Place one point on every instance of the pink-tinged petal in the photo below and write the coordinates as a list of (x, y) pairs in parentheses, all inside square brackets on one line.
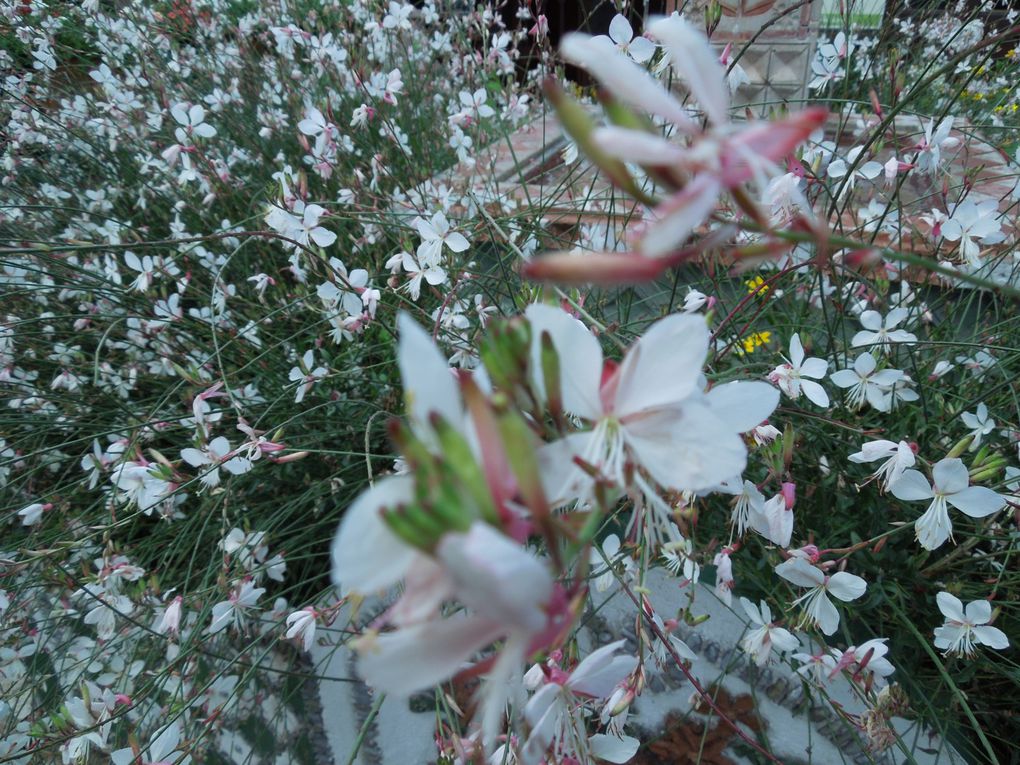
[(991, 637), (978, 612), (599, 268), (950, 476), (685, 447), (366, 555), (415, 658), (697, 64), (580, 357), (777, 139), (620, 30), (457, 241), (912, 487), (800, 572), (976, 501), (743, 406), (613, 749), (641, 49), (846, 586), (663, 366), (680, 214), (497, 577), (429, 385), (815, 393), (950, 606), (623, 78), (637, 146)]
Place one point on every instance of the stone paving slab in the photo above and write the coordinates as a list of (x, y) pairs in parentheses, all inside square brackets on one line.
[(799, 724)]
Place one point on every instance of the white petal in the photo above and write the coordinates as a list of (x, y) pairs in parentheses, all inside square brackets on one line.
[(825, 613), (686, 447), (743, 406), (414, 658), (978, 612), (613, 749), (456, 241), (366, 555), (697, 64), (620, 30), (796, 351), (816, 393), (637, 146), (976, 501), (950, 476), (912, 486), (800, 572), (580, 357), (814, 368), (991, 637), (429, 385), (497, 577), (846, 586), (641, 49), (663, 366), (950, 606), (622, 77)]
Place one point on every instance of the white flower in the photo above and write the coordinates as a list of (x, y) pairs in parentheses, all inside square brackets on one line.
[(972, 224), (605, 573), (980, 424), (951, 487), (867, 385), (763, 637), (216, 453), (774, 520), (883, 333), (32, 514), (233, 611), (641, 49), (306, 375), (790, 376), (650, 412), (898, 457), (818, 609), (301, 626), (964, 630), (192, 122), (841, 169), (554, 713), (434, 234), (160, 751), (929, 155)]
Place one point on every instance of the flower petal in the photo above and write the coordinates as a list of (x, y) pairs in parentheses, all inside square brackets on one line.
[(367, 557), (580, 357), (950, 476), (414, 658), (912, 487), (664, 366), (846, 586), (976, 501)]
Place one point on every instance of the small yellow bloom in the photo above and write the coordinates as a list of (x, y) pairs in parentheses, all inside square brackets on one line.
[(757, 284), (752, 341)]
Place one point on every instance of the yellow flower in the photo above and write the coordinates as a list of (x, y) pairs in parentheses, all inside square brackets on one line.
[(757, 284), (752, 341)]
